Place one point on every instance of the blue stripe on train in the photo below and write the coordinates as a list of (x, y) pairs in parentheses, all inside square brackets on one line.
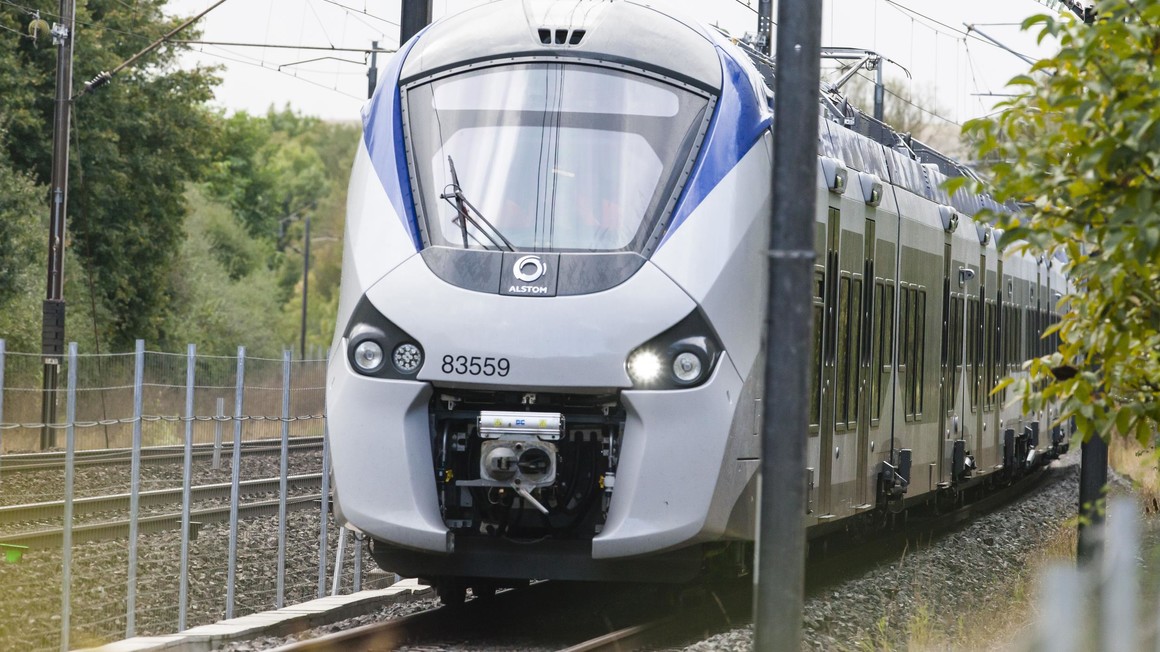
[(738, 123), (383, 133)]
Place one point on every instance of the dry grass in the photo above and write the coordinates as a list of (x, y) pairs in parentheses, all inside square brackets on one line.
[(998, 621), (1141, 466)]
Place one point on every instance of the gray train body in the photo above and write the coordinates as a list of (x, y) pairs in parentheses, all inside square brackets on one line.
[(548, 353)]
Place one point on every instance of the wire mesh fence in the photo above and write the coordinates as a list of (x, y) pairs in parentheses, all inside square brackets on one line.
[(148, 427)]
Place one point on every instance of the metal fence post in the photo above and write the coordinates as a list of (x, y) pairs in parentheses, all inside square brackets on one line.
[(186, 481), (217, 433), (338, 560), (358, 559), (283, 471), (1062, 616), (1118, 590), (324, 508), (66, 524), (135, 490), (2, 358), (234, 480)]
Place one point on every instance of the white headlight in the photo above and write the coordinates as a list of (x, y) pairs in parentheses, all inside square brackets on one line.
[(687, 367), (407, 358), (644, 367), (368, 356)]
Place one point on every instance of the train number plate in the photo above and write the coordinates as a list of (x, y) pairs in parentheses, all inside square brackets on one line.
[(474, 365)]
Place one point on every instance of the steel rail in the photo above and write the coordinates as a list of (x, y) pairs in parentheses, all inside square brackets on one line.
[(115, 530), (120, 502), (53, 460)]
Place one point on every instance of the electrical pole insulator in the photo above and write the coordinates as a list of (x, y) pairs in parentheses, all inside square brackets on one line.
[(60, 34), (100, 80)]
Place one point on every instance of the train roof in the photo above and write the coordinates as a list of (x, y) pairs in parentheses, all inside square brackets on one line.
[(623, 29)]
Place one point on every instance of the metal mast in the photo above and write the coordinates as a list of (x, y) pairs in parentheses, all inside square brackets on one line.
[(416, 16), (52, 334), (765, 26), (781, 544)]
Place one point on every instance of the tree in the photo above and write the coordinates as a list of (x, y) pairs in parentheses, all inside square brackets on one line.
[(21, 280), (138, 141), (1079, 149)]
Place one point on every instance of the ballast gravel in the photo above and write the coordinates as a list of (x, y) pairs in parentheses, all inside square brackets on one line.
[(933, 585), (950, 575)]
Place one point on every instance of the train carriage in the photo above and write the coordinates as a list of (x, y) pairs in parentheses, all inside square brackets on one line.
[(547, 361)]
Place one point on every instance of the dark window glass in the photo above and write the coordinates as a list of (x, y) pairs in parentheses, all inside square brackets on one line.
[(843, 359), (920, 349), (855, 366), (556, 156)]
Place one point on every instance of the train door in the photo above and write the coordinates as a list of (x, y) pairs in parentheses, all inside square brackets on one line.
[(978, 374), (829, 364), (946, 359), (867, 373)]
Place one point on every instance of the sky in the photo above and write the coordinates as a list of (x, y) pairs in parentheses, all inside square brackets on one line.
[(926, 38)]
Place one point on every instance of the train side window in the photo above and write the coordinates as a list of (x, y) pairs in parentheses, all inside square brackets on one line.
[(854, 365), (906, 348), (919, 350), (991, 335), (912, 342), (816, 360), (956, 352), (970, 370), (887, 340), (874, 381), (843, 371)]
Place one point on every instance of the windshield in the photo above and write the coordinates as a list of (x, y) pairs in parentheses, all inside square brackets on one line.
[(557, 157)]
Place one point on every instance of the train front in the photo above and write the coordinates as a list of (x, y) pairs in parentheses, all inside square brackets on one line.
[(544, 358)]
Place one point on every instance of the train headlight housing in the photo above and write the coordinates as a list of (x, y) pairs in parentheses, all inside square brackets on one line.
[(370, 336), (407, 357), (644, 366), (681, 357), (687, 367), (368, 356)]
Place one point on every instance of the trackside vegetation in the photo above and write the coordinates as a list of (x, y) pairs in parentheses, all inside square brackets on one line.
[(1078, 149)]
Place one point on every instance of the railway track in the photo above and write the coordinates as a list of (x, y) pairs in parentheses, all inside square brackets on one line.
[(657, 626), (153, 454), (13, 514), (119, 529)]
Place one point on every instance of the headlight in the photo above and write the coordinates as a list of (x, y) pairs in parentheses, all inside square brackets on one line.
[(683, 356), (687, 367), (407, 358), (644, 367), (370, 336), (368, 356)]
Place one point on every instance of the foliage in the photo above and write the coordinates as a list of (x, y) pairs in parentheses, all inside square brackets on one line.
[(21, 278), (225, 293), (1079, 147), (137, 142), (266, 172)]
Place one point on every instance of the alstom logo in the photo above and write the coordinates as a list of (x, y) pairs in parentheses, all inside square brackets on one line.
[(527, 289), (528, 269)]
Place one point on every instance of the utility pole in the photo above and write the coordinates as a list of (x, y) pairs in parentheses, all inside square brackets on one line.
[(416, 16), (765, 26), (781, 542), (373, 73), (52, 333)]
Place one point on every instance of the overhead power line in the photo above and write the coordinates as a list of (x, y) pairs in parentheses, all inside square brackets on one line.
[(239, 44)]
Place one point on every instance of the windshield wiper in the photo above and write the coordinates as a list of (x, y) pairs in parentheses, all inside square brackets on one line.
[(463, 215)]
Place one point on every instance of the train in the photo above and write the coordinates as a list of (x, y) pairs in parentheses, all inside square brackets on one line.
[(548, 355)]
